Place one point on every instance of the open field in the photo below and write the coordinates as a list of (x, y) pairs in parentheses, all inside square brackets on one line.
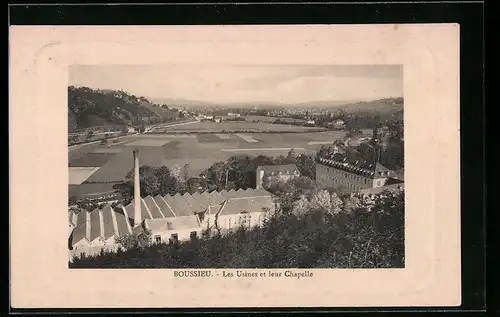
[(199, 151), (235, 127), (270, 119), (78, 175)]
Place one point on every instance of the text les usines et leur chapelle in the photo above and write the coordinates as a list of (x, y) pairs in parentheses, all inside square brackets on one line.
[(242, 274)]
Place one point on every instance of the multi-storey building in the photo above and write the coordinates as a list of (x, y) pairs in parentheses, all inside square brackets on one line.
[(269, 175), (353, 176)]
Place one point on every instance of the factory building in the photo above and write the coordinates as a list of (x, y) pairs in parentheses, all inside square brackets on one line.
[(168, 218)]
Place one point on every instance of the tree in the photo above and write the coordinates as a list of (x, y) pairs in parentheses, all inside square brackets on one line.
[(351, 203), (321, 200), (291, 157), (312, 239), (153, 181), (336, 204), (72, 139), (215, 176), (89, 135), (300, 206), (132, 240), (104, 141), (196, 184), (124, 130), (306, 166)]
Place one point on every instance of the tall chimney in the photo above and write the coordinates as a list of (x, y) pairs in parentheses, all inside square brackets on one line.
[(137, 190)]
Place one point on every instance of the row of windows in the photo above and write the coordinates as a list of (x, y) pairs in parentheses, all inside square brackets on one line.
[(245, 220), (337, 181), (347, 175), (174, 237)]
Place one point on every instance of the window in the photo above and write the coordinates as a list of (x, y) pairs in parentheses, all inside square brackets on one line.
[(193, 235), (174, 238), (157, 239)]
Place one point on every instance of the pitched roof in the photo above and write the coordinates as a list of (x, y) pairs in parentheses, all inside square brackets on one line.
[(191, 203), (173, 223), (156, 225), (95, 224), (130, 211), (153, 208), (201, 199), (177, 213), (107, 222), (166, 210), (357, 167), (276, 169), (80, 232), (246, 205), (122, 222), (186, 222), (144, 210)]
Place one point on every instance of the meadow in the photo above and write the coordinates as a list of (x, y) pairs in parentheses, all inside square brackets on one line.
[(236, 127), (198, 151)]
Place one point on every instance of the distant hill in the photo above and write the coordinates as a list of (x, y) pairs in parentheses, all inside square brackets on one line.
[(387, 104), (179, 103), (93, 107), (382, 105)]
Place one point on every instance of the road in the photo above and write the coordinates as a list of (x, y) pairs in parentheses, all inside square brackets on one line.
[(76, 146), (148, 129)]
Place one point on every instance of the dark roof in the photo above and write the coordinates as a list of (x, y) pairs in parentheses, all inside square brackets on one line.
[(178, 205), (122, 223), (358, 167), (153, 208), (276, 169), (80, 231), (95, 225), (107, 221), (176, 212), (131, 210), (164, 207), (144, 211), (81, 217)]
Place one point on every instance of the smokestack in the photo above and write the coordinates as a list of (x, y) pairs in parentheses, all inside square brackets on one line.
[(137, 190)]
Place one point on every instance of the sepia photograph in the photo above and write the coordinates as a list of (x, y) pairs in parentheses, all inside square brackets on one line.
[(236, 166), (253, 164)]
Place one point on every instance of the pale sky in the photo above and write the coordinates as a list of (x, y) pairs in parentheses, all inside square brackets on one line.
[(224, 84)]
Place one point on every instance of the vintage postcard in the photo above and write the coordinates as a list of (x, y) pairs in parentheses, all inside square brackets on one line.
[(260, 166)]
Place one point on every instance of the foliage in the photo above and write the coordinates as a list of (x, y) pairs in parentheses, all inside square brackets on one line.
[(89, 135), (239, 171), (158, 181), (308, 239), (104, 141), (135, 241), (153, 181), (89, 107)]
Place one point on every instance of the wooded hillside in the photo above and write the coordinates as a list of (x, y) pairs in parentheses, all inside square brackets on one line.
[(89, 108)]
